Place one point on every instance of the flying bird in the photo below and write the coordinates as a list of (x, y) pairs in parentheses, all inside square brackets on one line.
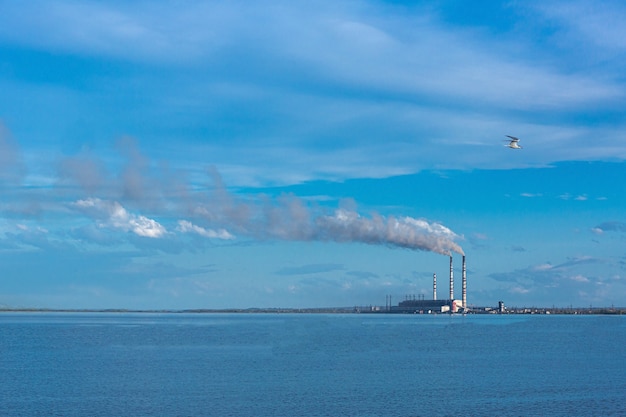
[(513, 142)]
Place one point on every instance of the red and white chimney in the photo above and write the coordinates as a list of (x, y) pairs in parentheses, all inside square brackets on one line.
[(451, 280), (464, 284)]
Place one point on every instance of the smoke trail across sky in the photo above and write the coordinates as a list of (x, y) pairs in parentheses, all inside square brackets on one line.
[(406, 232), (142, 199), (289, 218)]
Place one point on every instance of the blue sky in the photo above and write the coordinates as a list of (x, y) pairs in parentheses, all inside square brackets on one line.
[(304, 154)]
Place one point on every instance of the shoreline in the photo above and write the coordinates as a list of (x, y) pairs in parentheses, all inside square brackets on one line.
[(332, 310)]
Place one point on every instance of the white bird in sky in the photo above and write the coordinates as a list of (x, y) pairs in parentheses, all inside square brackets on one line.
[(513, 142)]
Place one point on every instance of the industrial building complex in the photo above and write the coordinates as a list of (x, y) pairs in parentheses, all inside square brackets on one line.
[(421, 305)]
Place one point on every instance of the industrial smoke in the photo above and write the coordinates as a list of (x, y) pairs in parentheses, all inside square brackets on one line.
[(405, 232), (291, 218), (293, 221), (220, 214)]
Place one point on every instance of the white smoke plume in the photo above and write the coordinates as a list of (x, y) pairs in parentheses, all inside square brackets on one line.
[(406, 232), (221, 214), (289, 218)]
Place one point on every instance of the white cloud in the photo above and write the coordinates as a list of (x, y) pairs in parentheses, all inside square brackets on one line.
[(579, 278), (347, 44), (114, 215), (543, 267), (86, 27), (341, 74), (185, 226), (519, 290)]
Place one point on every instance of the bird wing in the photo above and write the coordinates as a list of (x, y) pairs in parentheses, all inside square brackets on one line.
[(513, 138)]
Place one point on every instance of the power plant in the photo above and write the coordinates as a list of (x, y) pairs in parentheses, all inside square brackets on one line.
[(420, 305)]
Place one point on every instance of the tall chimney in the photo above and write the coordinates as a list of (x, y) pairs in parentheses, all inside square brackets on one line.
[(451, 280), (434, 286), (464, 284)]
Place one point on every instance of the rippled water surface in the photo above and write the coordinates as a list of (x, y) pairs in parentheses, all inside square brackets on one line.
[(109, 364)]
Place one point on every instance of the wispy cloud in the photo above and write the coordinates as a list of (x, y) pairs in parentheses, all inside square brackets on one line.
[(611, 226), (185, 226), (594, 25), (549, 283), (568, 196), (579, 278), (12, 168), (310, 269), (342, 78)]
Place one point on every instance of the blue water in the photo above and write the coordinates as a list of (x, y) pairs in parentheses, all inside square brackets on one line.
[(108, 364)]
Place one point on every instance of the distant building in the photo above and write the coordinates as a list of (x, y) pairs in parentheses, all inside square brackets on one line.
[(412, 306), (427, 306)]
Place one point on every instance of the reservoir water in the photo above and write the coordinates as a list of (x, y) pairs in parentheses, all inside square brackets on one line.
[(113, 364)]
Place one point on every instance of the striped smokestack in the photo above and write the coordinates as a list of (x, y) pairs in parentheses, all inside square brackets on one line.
[(451, 280), (464, 284), (434, 286)]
